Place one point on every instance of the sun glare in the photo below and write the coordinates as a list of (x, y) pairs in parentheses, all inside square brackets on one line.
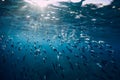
[(45, 3), (40, 3)]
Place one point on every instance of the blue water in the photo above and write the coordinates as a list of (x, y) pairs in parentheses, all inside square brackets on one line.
[(59, 43)]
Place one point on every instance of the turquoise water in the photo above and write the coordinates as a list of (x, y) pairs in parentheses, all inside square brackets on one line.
[(68, 42)]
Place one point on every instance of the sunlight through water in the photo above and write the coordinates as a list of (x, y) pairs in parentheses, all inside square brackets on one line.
[(45, 3)]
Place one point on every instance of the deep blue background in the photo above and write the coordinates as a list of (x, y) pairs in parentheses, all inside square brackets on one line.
[(86, 48)]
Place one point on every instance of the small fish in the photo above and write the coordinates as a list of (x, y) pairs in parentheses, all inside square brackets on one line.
[(48, 40), (40, 78), (18, 59), (54, 68), (78, 41), (19, 48), (71, 65), (108, 46), (12, 45), (75, 46), (37, 52), (62, 75), (24, 57), (63, 51), (44, 51), (76, 55), (99, 65), (55, 49), (61, 68), (95, 75), (44, 59), (69, 49), (35, 47), (92, 53), (109, 77), (83, 49), (68, 58), (58, 57), (78, 66), (103, 70), (35, 43), (45, 77), (110, 52), (40, 46), (104, 62), (84, 57), (85, 64), (3, 59), (115, 67), (101, 53)]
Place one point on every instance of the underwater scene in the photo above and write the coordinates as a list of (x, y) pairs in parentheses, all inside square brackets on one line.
[(59, 39)]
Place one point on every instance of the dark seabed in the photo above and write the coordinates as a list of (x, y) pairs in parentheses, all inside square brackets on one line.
[(59, 41)]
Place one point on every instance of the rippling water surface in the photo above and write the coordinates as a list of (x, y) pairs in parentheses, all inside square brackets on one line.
[(59, 40)]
